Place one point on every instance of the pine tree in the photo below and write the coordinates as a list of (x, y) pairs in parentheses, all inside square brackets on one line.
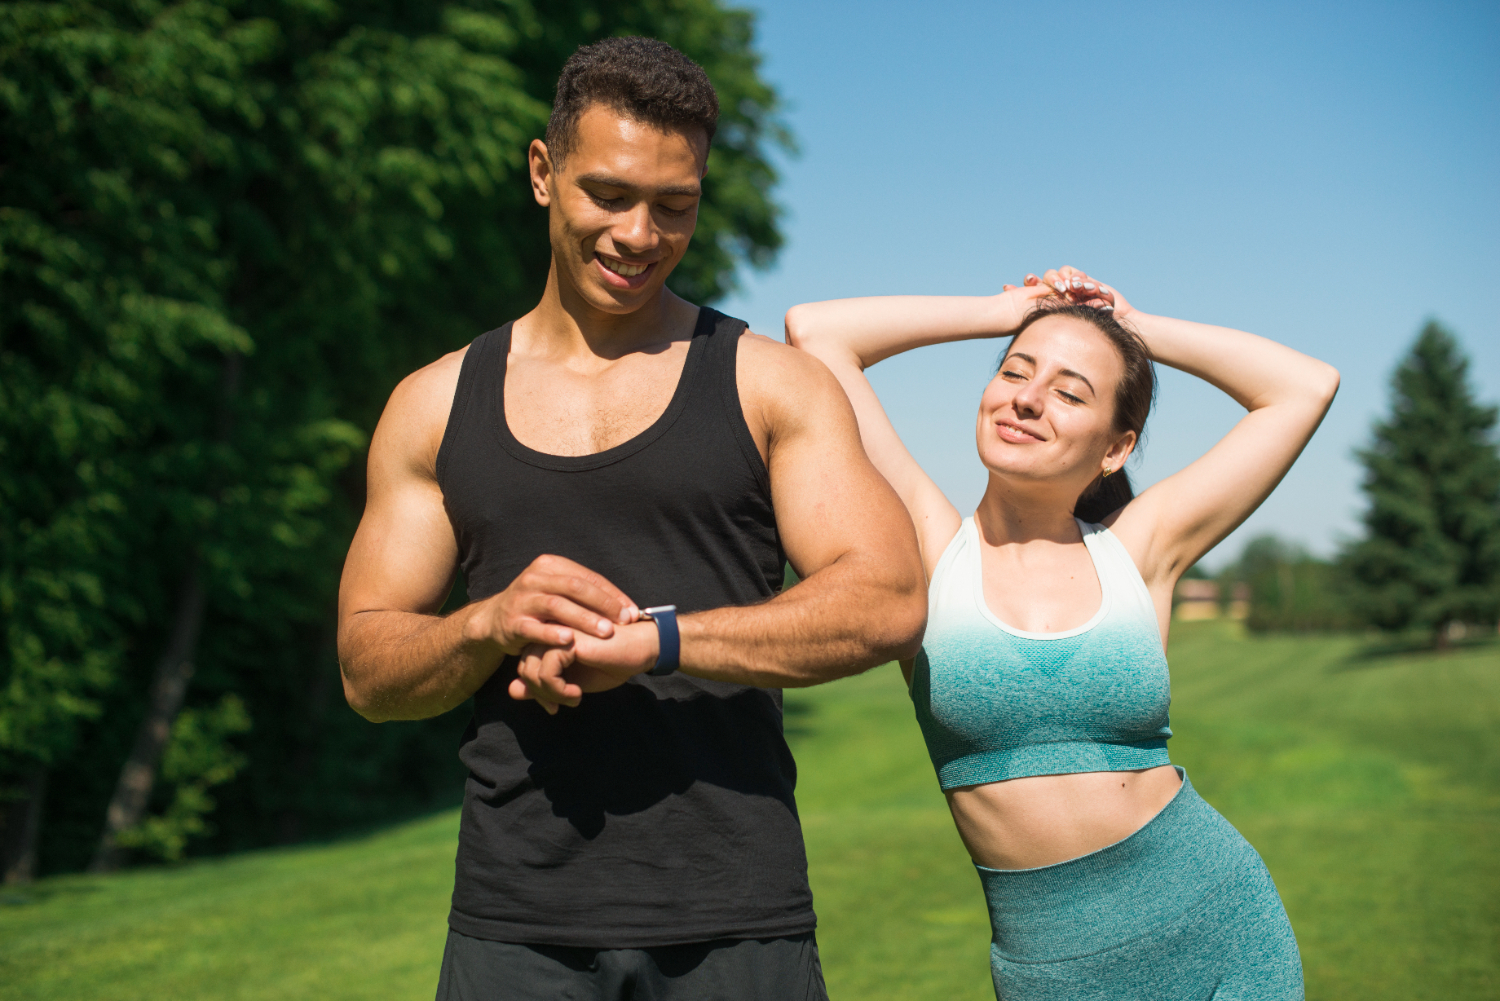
[(1431, 555)]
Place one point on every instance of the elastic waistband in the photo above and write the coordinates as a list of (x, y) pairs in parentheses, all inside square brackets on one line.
[(1100, 900)]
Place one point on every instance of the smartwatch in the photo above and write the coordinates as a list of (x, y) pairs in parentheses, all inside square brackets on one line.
[(667, 642)]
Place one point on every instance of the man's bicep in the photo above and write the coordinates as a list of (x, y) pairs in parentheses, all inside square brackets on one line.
[(404, 556), (830, 500)]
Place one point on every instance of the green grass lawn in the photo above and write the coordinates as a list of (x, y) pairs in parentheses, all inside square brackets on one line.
[(1370, 784)]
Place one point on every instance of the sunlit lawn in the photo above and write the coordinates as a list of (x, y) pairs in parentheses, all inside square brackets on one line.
[(1371, 785)]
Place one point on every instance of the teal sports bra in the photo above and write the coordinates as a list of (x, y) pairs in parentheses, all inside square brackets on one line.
[(998, 703)]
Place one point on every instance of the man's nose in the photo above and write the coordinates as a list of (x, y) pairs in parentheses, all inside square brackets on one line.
[(635, 233)]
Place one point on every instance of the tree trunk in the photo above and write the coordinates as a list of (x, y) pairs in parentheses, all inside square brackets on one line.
[(19, 822), (133, 791)]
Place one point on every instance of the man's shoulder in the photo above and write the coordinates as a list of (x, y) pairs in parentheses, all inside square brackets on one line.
[(429, 390), (416, 415), (780, 369), (785, 389)]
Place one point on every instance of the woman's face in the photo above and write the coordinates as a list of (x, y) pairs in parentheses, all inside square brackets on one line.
[(1049, 412)]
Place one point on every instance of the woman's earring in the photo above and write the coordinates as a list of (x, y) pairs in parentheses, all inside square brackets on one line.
[(1107, 471)]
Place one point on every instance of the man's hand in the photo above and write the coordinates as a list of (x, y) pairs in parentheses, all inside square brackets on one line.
[(545, 604), (558, 675), (550, 604)]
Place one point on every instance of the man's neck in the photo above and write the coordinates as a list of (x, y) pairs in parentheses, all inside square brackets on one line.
[(565, 324)]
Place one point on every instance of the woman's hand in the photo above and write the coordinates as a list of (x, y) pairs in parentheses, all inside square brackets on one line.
[(1081, 289), (1015, 301)]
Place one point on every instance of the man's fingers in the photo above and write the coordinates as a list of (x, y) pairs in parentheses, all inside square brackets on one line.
[(541, 670), (549, 605), (518, 691), (586, 587), (534, 630), (539, 677)]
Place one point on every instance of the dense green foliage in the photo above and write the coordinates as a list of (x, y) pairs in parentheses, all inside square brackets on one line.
[(1289, 588), (228, 229), (1431, 553), (1370, 784)]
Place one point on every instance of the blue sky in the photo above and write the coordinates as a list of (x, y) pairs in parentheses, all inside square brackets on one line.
[(1327, 175)]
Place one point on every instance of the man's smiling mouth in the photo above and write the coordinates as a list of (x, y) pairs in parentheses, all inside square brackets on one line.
[(621, 268)]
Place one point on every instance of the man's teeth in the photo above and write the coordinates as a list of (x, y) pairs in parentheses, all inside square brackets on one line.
[(621, 268)]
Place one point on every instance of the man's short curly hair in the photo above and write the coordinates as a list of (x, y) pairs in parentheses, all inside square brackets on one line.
[(641, 78)]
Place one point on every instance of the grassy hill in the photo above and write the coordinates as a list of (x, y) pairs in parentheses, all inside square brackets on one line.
[(1370, 783)]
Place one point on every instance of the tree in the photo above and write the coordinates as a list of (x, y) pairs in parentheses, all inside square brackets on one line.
[(1431, 552), (228, 229), (1289, 588)]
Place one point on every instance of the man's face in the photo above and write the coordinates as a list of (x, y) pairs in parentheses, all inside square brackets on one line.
[(622, 208)]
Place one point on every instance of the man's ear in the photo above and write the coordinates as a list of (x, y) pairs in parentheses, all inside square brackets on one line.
[(539, 162)]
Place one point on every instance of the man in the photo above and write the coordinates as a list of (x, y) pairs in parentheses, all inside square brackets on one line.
[(617, 448)]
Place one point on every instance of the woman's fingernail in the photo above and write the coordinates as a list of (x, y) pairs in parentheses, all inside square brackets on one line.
[(1060, 286), (1076, 283), (1089, 286), (1107, 308)]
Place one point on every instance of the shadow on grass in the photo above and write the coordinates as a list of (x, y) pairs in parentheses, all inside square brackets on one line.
[(47, 889), (797, 717), (1388, 651)]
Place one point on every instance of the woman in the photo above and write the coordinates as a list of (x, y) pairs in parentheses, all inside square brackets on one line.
[(1042, 685)]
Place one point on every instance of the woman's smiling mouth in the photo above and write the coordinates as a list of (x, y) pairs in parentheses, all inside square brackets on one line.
[(1014, 434)]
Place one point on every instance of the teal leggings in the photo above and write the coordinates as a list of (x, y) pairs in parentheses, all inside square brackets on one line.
[(1182, 909)]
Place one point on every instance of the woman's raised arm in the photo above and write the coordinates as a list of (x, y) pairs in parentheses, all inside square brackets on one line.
[(850, 335), (1286, 393)]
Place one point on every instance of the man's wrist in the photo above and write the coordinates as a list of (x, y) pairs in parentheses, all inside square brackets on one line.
[(476, 627), (668, 645)]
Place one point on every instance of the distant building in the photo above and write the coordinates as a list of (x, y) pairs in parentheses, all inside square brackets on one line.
[(1196, 600), (1239, 601)]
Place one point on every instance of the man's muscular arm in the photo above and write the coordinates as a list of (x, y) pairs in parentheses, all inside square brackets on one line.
[(862, 600), (400, 660)]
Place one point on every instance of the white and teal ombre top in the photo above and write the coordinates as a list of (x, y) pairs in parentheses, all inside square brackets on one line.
[(997, 703)]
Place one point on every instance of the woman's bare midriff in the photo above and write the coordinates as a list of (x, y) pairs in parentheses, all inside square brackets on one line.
[(1044, 819)]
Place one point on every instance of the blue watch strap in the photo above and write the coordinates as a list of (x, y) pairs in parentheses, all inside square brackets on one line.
[(668, 643)]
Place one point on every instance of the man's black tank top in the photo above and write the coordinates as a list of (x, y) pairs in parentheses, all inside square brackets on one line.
[(660, 812)]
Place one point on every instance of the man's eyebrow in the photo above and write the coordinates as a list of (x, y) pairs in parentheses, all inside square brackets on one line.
[(691, 191)]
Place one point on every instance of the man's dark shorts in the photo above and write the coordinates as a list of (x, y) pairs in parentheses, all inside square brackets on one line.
[(777, 969)]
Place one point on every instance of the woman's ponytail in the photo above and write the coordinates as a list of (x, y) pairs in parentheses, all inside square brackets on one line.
[(1105, 496)]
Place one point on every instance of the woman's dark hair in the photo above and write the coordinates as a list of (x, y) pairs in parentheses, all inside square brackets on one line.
[(1134, 396), (641, 78)]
